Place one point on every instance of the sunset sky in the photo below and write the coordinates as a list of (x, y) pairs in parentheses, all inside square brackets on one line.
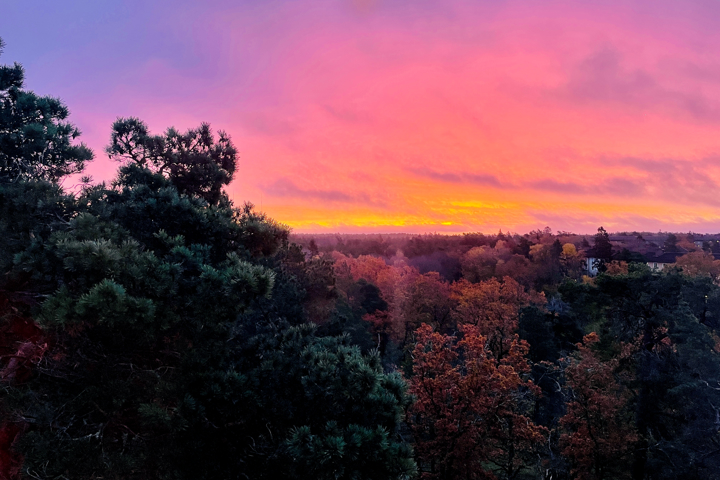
[(409, 116)]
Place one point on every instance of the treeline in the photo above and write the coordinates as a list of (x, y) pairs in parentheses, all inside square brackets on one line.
[(150, 329), (535, 259), (611, 377)]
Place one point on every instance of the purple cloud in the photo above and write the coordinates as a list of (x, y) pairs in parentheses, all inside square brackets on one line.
[(604, 77), (473, 178), (286, 188)]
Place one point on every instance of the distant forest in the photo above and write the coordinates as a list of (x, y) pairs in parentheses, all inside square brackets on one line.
[(152, 329)]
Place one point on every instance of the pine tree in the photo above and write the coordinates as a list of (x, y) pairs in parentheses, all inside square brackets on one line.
[(180, 344), (172, 359), (603, 249), (194, 162), (36, 141)]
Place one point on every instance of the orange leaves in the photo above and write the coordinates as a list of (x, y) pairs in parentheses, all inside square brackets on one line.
[(414, 299), (493, 307), (468, 417), (487, 304), (599, 435), (697, 264), (373, 269)]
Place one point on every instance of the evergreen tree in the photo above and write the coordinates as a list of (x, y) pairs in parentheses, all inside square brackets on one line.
[(170, 360), (176, 343), (603, 249), (36, 141), (664, 325), (195, 162), (670, 243)]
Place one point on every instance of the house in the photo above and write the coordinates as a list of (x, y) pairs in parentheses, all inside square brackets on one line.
[(658, 263), (705, 239), (591, 265), (591, 261)]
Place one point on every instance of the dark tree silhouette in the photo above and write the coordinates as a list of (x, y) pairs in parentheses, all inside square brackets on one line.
[(36, 141), (195, 162)]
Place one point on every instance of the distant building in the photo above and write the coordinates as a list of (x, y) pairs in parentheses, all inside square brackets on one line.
[(645, 249), (657, 263), (591, 262), (591, 266)]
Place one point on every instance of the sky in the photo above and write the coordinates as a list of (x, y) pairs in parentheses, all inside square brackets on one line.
[(411, 115)]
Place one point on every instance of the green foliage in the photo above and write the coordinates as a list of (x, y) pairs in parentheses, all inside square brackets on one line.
[(663, 329), (550, 334), (359, 442), (194, 162), (180, 347), (36, 141), (29, 213)]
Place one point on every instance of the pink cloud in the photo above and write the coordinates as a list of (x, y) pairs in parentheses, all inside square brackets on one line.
[(477, 114)]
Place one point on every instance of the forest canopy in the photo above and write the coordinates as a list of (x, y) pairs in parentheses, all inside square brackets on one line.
[(152, 329)]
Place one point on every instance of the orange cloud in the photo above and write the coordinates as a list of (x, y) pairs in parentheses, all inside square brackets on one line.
[(446, 116)]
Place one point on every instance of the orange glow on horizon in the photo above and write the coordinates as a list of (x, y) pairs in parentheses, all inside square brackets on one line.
[(445, 116)]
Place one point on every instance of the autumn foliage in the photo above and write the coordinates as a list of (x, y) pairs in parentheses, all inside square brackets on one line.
[(493, 306), (469, 418), (599, 434), (21, 347), (698, 264)]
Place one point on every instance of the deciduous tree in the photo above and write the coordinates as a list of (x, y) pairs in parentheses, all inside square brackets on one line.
[(600, 435), (699, 264), (493, 307), (469, 417)]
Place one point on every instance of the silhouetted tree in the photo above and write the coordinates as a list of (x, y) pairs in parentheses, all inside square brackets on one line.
[(603, 249), (36, 141), (179, 344), (195, 162), (670, 243)]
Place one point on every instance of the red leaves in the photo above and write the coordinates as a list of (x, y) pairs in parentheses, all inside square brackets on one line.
[(21, 347), (493, 307), (599, 433), (468, 415), (19, 365), (10, 461), (21, 343)]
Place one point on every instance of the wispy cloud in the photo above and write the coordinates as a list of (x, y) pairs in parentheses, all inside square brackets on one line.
[(614, 185), (404, 115), (605, 78), (450, 177), (287, 189)]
